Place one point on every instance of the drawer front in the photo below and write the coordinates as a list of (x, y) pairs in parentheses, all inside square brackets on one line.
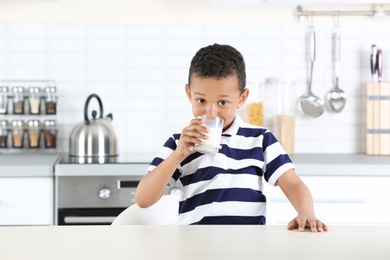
[(338, 201), (26, 201)]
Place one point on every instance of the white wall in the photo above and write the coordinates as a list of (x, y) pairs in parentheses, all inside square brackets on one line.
[(152, 11), (137, 61)]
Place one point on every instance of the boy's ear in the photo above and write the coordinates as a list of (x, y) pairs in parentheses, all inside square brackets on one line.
[(188, 91), (243, 98)]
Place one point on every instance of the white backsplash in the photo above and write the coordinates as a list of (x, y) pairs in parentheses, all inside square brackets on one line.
[(139, 71)]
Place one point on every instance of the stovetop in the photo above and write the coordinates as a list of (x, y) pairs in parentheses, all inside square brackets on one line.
[(123, 165), (120, 159)]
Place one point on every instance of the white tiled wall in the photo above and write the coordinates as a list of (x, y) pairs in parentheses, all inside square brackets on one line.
[(139, 71)]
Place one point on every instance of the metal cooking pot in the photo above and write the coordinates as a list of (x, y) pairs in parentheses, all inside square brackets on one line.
[(93, 138)]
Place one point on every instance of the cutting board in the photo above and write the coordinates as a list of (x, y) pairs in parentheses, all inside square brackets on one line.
[(378, 118)]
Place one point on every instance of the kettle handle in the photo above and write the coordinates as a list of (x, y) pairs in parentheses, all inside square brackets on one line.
[(86, 107)]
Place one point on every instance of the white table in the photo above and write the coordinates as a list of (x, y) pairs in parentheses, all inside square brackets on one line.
[(192, 242)]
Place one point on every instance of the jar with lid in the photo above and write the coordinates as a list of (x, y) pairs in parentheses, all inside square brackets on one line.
[(51, 100), (18, 102), (50, 131), (285, 119), (34, 100), (3, 133), (252, 111), (17, 133), (34, 133), (3, 100)]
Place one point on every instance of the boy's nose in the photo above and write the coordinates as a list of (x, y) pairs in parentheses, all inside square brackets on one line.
[(212, 110)]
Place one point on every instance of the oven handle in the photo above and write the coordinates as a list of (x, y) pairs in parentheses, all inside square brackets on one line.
[(88, 220)]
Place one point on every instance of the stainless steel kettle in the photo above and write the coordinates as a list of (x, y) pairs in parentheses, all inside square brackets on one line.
[(93, 138)]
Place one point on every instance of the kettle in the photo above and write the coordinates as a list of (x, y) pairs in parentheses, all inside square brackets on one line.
[(95, 137)]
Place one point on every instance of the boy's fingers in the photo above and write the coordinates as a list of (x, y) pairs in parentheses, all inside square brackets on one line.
[(320, 226), (301, 224), (313, 225), (291, 225)]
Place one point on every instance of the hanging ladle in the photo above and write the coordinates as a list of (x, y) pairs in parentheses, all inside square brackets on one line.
[(309, 103), (336, 98)]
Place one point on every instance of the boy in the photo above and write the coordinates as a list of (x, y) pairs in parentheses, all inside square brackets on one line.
[(225, 188)]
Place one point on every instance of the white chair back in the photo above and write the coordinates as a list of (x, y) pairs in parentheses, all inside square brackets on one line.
[(163, 212)]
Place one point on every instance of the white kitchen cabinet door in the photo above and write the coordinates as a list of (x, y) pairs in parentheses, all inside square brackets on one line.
[(338, 200), (26, 201)]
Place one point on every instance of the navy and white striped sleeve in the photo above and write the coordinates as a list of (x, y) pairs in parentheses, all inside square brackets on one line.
[(276, 159), (167, 149)]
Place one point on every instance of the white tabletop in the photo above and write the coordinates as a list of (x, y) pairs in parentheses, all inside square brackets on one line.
[(192, 242)]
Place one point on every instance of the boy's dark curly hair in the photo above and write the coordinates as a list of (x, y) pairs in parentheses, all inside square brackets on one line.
[(218, 61)]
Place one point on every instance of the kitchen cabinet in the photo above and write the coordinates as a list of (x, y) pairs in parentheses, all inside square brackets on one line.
[(27, 189), (339, 200), (349, 189), (26, 201)]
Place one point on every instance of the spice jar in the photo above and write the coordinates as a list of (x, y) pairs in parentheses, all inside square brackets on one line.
[(34, 133), (3, 100), (17, 133), (50, 131), (3, 133), (285, 119), (18, 95), (252, 112), (34, 100), (51, 100)]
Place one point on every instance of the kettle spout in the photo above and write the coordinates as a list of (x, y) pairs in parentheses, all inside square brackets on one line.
[(109, 117)]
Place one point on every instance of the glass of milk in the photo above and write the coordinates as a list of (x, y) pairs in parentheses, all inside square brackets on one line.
[(215, 126)]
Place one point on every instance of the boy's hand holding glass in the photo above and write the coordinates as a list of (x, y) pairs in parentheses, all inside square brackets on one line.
[(203, 134), (189, 137)]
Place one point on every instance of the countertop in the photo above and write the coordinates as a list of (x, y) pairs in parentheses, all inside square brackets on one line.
[(341, 165), (49, 165), (193, 242), (43, 165), (306, 165), (27, 165)]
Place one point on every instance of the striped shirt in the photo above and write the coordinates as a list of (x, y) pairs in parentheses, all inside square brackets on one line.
[(226, 188)]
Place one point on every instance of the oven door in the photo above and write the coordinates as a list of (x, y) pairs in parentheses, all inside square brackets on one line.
[(93, 200)]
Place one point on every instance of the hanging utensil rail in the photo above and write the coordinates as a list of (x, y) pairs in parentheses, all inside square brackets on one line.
[(299, 12)]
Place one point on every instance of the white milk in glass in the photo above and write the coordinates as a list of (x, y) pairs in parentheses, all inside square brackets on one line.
[(211, 145)]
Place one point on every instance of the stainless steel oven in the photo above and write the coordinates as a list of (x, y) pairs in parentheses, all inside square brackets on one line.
[(96, 192), (93, 200)]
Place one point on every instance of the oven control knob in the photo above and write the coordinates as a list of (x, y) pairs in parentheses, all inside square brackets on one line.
[(104, 193)]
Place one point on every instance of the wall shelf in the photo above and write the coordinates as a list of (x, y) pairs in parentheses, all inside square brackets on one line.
[(378, 13)]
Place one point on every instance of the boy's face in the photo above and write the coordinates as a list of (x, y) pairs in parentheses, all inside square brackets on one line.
[(216, 97)]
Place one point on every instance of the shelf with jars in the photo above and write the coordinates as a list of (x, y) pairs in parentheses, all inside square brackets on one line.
[(28, 116)]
